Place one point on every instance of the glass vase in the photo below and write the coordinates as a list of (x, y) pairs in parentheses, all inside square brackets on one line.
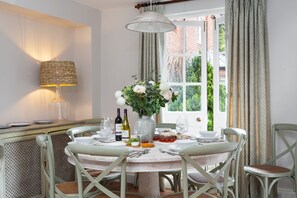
[(145, 128)]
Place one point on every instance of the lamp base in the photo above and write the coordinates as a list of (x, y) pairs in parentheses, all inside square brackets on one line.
[(58, 109)]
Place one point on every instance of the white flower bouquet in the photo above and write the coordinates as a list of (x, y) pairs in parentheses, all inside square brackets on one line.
[(146, 98)]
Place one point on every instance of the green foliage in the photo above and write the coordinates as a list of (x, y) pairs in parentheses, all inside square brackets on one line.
[(221, 37), (193, 70), (209, 97), (193, 94)]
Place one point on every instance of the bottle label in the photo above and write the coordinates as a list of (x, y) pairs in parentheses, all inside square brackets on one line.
[(125, 134), (118, 127)]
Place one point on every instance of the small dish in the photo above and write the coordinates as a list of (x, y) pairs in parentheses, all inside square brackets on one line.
[(134, 143), (5, 126), (208, 134), (19, 124)]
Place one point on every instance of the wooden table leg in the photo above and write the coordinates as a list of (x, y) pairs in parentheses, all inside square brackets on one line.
[(149, 185)]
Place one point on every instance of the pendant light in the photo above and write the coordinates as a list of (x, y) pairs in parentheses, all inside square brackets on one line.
[(151, 22)]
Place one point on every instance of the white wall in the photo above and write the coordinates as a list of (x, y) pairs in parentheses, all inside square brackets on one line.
[(282, 31), (119, 58), (30, 34)]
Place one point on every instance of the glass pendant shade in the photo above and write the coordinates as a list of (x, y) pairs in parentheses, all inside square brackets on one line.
[(151, 22)]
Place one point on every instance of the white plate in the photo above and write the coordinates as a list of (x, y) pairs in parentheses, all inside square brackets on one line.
[(83, 140), (100, 138), (43, 121), (163, 143), (117, 143), (19, 124), (208, 134), (209, 138), (4, 126), (184, 143)]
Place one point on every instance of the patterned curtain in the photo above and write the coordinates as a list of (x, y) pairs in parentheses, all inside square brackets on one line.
[(248, 81), (151, 51)]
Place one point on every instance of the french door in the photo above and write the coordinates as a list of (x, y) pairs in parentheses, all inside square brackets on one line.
[(185, 70), (194, 56)]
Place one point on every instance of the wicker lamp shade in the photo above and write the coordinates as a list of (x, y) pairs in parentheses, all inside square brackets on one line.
[(57, 73)]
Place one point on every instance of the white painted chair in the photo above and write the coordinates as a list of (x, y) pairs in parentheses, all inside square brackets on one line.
[(81, 131), (220, 178), (175, 183), (57, 187), (197, 180), (120, 155), (269, 174)]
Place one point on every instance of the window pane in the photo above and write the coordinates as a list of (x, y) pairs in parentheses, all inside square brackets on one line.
[(193, 40), (175, 69), (178, 104), (193, 98), (222, 97), (174, 41), (222, 68), (221, 38), (193, 69)]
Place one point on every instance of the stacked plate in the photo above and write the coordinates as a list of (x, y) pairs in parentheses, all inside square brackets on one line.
[(208, 136)]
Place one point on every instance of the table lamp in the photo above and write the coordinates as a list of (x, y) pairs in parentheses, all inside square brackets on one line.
[(58, 74)]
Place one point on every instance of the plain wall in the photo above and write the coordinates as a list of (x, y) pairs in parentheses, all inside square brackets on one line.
[(120, 57), (34, 31), (282, 31)]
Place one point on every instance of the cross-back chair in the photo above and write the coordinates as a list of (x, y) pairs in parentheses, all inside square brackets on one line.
[(56, 185), (81, 131), (175, 184), (212, 181), (269, 174), (196, 179), (120, 155)]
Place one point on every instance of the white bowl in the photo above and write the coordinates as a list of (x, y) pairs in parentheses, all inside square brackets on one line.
[(84, 140), (134, 143), (208, 134), (183, 143)]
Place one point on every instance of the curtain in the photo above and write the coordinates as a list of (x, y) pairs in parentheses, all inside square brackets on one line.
[(248, 82), (151, 50)]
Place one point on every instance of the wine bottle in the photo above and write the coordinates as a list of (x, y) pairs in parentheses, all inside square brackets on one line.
[(125, 127), (118, 126)]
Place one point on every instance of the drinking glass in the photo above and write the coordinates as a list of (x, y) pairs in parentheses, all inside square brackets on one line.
[(182, 124), (106, 128), (139, 130)]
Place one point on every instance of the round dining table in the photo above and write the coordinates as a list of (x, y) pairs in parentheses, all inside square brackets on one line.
[(148, 165)]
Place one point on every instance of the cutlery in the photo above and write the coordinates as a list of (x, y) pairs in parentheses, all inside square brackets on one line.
[(137, 154), (168, 152)]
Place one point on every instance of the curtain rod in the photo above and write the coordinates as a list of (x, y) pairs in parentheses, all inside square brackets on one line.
[(140, 5)]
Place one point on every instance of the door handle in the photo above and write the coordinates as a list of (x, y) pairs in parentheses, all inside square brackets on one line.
[(198, 119)]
